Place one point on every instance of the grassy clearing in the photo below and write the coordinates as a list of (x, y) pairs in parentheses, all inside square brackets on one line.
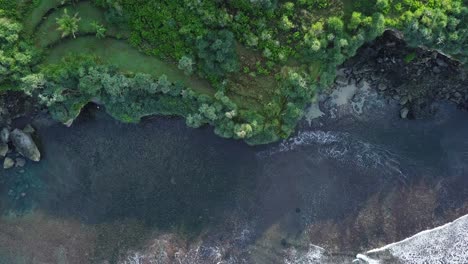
[(124, 56), (48, 34), (254, 88)]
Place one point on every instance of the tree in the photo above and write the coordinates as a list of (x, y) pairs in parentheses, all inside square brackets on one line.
[(32, 82), (164, 84), (186, 64), (217, 53), (382, 6), (195, 120), (100, 30), (335, 24), (243, 130), (355, 21), (67, 24)]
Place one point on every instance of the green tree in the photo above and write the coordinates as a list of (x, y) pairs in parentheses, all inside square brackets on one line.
[(100, 30), (186, 64), (67, 24)]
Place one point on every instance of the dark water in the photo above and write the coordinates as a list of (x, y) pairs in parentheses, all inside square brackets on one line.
[(161, 175)]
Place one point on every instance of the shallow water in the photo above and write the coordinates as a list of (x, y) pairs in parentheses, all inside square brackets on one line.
[(108, 188)]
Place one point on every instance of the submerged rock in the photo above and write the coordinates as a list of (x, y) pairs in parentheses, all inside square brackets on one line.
[(20, 162), (8, 163), (3, 149), (382, 86), (404, 113), (25, 145), (28, 129)]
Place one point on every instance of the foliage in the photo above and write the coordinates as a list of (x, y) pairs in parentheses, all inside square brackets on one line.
[(15, 54), (66, 87), (217, 53), (67, 24), (100, 29), (295, 46), (186, 64)]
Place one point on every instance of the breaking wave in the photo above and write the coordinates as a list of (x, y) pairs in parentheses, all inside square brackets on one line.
[(443, 244), (345, 148)]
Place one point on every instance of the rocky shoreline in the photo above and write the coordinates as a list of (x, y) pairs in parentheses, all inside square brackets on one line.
[(413, 77), (17, 145)]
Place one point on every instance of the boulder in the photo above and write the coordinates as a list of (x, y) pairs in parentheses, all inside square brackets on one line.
[(360, 83), (404, 113), (20, 162), (382, 86), (25, 145), (3, 149), (404, 100), (28, 129), (8, 163), (4, 135), (441, 63), (341, 80)]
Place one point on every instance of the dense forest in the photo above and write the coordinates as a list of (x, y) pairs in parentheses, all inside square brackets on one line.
[(246, 67)]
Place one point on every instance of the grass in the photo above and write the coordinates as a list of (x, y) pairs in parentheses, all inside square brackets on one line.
[(112, 51), (48, 34), (126, 58), (37, 14), (251, 89)]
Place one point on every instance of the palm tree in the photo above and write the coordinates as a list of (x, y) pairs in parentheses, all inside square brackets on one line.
[(67, 24), (100, 30)]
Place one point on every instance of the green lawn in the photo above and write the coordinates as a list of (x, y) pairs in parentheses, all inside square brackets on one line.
[(37, 14), (48, 34), (126, 57)]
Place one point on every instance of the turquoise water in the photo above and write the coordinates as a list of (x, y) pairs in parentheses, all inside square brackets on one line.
[(104, 187)]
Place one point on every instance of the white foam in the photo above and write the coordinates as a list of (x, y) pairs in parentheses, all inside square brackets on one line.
[(314, 255), (444, 244), (343, 95), (343, 147), (313, 112)]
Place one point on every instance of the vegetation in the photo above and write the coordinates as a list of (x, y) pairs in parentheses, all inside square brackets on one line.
[(287, 50), (67, 24)]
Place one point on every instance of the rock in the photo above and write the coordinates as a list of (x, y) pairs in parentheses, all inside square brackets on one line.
[(457, 95), (3, 149), (69, 122), (404, 100), (20, 162), (441, 63), (360, 83), (382, 86), (436, 70), (404, 113), (4, 135), (25, 145), (8, 163), (341, 80), (29, 129)]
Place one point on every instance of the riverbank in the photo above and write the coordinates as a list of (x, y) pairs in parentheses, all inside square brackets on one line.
[(355, 177)]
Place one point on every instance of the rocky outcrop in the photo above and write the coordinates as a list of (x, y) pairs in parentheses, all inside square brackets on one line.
[(414, 77), (25, 145)]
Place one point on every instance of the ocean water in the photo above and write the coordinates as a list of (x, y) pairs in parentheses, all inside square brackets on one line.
[(160, 192)]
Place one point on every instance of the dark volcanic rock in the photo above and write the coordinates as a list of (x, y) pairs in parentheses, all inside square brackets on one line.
[(415, 76)]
